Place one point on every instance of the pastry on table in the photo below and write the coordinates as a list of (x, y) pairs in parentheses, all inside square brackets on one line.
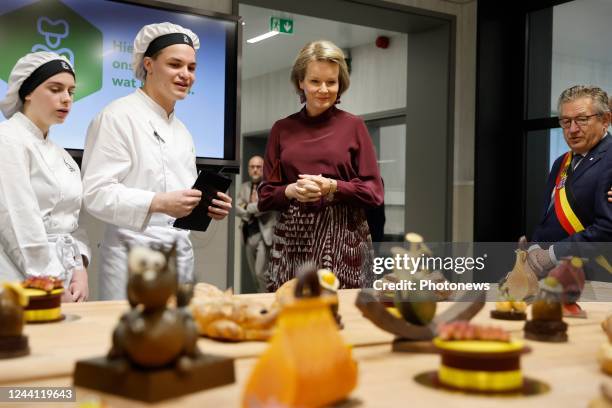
[(44, 299), (207, 290), (546, 322), (509, 310), (478, 358), (223, 316), (604, 356)]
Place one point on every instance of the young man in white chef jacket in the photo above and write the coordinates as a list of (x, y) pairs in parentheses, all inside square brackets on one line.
[(139, 159)]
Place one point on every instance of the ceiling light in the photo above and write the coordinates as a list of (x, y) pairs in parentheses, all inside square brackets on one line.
[(262, 37)]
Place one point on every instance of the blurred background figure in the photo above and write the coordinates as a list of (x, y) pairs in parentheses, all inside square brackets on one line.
[(256, 226)]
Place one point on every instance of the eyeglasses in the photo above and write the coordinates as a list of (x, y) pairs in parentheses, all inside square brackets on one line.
[(565, 123)]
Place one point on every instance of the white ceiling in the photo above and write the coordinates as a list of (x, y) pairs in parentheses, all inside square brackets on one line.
[(581, 28), (279, 51)]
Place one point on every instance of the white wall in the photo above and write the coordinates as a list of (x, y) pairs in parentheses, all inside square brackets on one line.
[(465, 109), (393, 172), (378, 79), (570, 70), (378, 83)]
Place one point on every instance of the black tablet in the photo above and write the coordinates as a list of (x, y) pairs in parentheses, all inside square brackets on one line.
[(209, 184)]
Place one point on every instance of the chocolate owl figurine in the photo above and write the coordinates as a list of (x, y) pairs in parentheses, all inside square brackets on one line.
[(152, 335)]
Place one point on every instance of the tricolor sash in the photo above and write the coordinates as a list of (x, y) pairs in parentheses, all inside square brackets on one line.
[(564, 205)]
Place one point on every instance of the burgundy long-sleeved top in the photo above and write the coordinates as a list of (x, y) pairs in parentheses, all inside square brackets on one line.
[(335, 144)]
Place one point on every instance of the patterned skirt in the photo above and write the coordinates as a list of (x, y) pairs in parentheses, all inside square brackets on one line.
[(334, 237)]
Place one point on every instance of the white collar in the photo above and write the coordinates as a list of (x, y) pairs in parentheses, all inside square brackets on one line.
[(32, 129), (154, 106)]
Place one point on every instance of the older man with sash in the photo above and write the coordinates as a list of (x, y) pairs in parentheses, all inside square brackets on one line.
[(577, 210)]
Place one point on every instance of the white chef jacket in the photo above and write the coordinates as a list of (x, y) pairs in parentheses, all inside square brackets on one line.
[(40, 201), (133, 150)]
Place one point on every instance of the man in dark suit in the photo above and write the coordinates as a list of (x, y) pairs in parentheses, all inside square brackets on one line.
[(256, 226), (576, 210)]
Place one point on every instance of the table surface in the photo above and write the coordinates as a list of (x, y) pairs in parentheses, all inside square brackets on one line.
[(385, 378)]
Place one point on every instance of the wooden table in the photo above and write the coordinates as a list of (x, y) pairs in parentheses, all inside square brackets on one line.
[(385, 378)]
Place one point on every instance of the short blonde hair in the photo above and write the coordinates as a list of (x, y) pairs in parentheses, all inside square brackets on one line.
[(321, 50)]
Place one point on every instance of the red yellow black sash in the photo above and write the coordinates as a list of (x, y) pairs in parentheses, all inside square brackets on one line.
[(564, 207)]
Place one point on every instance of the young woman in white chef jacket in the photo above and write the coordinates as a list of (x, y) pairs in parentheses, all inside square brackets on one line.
[(40, 186), (139, 161)]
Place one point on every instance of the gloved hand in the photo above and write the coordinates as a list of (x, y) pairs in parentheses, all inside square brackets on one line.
[(540, 262)]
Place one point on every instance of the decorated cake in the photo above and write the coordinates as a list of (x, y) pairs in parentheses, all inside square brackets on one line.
[(509, 310), (44, 299), (546, 322), (570, 274), (479, 359), (519, 285)]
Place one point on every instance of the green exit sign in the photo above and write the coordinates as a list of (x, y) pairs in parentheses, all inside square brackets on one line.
[(282, 25)]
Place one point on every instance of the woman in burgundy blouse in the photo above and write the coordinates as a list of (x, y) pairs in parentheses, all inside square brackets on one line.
[(320, 170)]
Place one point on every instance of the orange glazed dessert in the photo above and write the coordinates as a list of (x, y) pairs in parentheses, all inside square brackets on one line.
[(44, 294)]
